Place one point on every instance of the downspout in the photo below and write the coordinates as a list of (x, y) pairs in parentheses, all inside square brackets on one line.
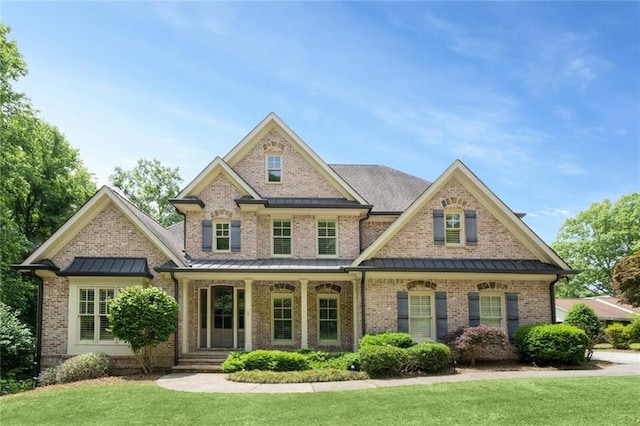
[(362, 304), (360, 222), (552, 298), (176, 289), (38, 320)]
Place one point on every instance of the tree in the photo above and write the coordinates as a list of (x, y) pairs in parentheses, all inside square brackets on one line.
[(626, 279), (585, 318), (143, 317), (149, 185), (594, 241), (16, 344)]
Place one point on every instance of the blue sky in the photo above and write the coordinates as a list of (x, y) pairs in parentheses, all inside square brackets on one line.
[(540, 100)]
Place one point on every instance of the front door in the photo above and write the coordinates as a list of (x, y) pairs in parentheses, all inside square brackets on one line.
[(222, 317)]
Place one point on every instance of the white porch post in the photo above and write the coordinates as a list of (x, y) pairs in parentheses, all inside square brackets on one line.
[(303, 314), (185, 315), (354, 287), (248, 317)]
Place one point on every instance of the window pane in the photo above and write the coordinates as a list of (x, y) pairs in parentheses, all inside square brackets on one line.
[(87, 326), (329, 330), (104, 334), (420, 329)]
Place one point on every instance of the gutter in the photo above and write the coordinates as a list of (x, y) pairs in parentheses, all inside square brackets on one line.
[(40, 281), (360, 222), (175, 335)]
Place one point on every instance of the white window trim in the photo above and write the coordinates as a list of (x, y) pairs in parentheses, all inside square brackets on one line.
[(462, 231), (267, 169), (275, 341), (432, 296), (75, 346), (327, 342), (335, 220), (214, 243), (503, 322), (290, 219)]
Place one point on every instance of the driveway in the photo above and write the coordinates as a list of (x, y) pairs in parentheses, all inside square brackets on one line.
[(619, 357)]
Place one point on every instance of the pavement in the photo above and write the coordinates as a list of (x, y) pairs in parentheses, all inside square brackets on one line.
[(623, 364)]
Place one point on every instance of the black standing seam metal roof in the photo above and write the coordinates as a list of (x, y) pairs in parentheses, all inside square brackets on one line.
[(304, 202), (108, 266)]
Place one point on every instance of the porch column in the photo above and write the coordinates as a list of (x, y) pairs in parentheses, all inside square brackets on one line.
[(185, 315), (248, 317), (303, 314), (354, 297)]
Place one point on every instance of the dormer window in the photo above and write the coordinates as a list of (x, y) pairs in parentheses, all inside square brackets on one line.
[(274, 168)]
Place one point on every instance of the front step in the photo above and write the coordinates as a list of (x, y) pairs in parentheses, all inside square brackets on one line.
[(201, 361)]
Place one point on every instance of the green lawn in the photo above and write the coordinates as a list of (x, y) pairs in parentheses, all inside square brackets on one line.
[(562, 401)]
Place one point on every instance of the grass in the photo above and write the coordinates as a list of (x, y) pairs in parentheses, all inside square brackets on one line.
[(558, 401)]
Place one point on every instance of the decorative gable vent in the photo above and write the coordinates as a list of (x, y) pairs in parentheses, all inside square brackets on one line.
[(453, 202), (273, 146)]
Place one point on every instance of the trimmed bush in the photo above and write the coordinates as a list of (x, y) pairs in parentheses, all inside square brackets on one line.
[(428, 357), (383, 360), (83, 367), (309, 376), (615, 334), (266, 361), (399, 340), (632, 331), (551, 344), (585, 318)]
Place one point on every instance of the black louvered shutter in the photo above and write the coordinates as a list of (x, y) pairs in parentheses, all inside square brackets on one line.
[(474, 309), (441, 315), (471, 229), (207, 235), (513, 318), (235, 235), (438, 226), (403, 312)]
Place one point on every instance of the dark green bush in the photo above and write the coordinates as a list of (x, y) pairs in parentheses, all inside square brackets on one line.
[(585, 318), (615, 334), (632, 331), (9, 386), (266, 361), (551, 344), (383, 360), (83, 367), (399, 340), (428, 357), (17, 345)]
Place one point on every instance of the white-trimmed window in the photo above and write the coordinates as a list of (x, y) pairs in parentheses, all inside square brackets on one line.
[(274, 168), (327, 237), (221, 238), (491, 310), (421, 316), (282, 318), (281, 237), (453, 227), (328, 319), (92, 322)]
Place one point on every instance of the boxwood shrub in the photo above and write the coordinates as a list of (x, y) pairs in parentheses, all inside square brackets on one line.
[(428, 357), (83, 367), (551, 344), (266, 361), (399, 340), (383, 360)]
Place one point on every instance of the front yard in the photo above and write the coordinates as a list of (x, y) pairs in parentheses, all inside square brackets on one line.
[(567, 401)]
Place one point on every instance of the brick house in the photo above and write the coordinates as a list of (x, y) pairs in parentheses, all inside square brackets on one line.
[(280, 250)]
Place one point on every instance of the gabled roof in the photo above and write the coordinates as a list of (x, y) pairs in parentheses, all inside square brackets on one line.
[(487, 198), (100, 200), (605, 307), (217, 166), (272, 121), (388, 190)]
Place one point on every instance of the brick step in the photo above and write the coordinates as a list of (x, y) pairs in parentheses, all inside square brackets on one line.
[(204, 361), (197, 368)]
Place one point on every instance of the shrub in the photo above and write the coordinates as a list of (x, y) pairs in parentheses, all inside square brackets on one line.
[(615, 334), (551, 344), (632, 331), (399, 340), (428, 357), (9, 386), (47, 377), (383, 360), (17, 345), (468, 340), (143, 317), (83, 367), (266, 361), (309, 376), (585, 318)]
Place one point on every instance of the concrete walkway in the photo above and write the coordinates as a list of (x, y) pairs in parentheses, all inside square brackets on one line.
[(625, 364)]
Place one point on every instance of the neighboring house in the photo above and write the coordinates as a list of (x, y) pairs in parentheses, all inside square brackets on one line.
[(609, 309), (281, 250)]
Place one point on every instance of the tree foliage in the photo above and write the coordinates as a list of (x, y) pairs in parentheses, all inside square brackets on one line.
[(585, 318), (149, 185), (594, 241), (143, 317), (626, 279), (16, 344)]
